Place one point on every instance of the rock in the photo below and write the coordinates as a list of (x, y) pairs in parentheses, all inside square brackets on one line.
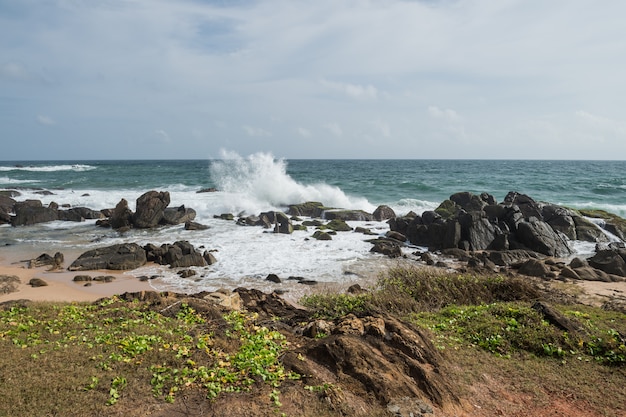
[(186, 273), (383, 212), (608, 261), (82, 278), (104, 278), (37, 282), (189, 225), (230, 300), (9, 283), (588, 231), (470, 202), (178, 215), (80, 214), (207, 190), (225, 216), (395, 236), (348, 215), (124, 256), (534, 268), (527, 206), (209, 258), (121, 216), (150, 208), (188, 260), (578, 263), (319, 235), (560, 219), (367, 231), (31, 212), (588, 273), (511, 257), (557, 319), (317, 329), (338, 225), (273, 278), (409, 407), (387, 247), (540, 237), (308, 209)]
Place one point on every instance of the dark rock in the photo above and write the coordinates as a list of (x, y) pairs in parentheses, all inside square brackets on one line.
[(401, 224), (383, 212), (460, 254), (313, 223), (355, 289), (121, 216), (9, 194), (338, 225), (396, 236), (225, 216), (468, 201), (37, 282), (178, 215), (534, 268), (31, 212), (588, 273), (366, 231), (117, 257), (511, 257), (557, 319), (560, 219), (207, 190), (540, 237), (188, 260), (387, 247), (82, 278), (588, 231), (428, 258), (150, 208), (104, 278), (608, 261), (528, 207), (578, 263), (189, 225), (273, 278), (307, 282), (186, 273)]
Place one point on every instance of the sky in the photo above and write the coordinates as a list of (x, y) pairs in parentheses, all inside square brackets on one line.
[(418, 79)]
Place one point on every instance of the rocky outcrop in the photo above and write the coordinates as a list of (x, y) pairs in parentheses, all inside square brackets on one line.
[(31, 212), (121, 216), (180, 254), (475, 222), (178, 215), (79, 214), (150, 208), (125, 256)]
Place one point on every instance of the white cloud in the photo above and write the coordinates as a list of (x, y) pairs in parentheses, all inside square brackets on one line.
[(305, 133), (256, 131), (352, 90), (46, 120), (334, 129), (446, 114)]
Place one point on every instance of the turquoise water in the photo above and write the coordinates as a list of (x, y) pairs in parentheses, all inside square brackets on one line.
[(410, 183)]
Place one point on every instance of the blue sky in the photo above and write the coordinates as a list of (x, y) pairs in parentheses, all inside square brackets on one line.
[(488, 79)]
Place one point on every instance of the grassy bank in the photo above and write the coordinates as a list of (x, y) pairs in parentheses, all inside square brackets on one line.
[(124, 357)]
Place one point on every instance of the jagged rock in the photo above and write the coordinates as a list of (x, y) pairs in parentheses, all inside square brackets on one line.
[(588, 231), (178, 215), (124, 256), (560, 219), (31, 212), (540, 237), (150, 208), (470, 202), (121, 216), (189, 225), (383, 212), (528, 207), (401, 224)]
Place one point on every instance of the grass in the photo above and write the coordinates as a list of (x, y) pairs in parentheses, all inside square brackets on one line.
[(102, 355)]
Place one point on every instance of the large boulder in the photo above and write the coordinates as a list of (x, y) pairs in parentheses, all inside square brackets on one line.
[(383, 212), (121, 216), (31, 212), (178, 215), (150, 208), (588, 231), (560, 219), (608, 261), (80, 214), (124, 256), (537, 235)]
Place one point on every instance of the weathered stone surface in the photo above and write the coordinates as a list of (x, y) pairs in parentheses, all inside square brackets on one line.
[(320, 235), (178, 215), (117, 257), (383, 212), (338, 225), (608, 261), (150, 208), (387, 247), (209, 258), (37, 282), (121, 216), (188, 260), (348, 215), (308, 209), (9, 283), (540, 237), (31, 212), (195, 226), (534, 268)]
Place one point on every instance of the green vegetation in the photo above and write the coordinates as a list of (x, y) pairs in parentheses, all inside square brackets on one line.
[(130, 346)]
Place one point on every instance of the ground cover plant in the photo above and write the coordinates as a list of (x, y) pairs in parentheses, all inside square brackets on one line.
[(113, 349)]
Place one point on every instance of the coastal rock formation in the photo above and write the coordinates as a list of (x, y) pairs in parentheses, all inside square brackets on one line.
[(31, 212), (180, 254), (125, 256), (150, 208), (178, 215)]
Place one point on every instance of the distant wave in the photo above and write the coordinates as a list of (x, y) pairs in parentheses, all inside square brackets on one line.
[(7, 180), (49, 168)]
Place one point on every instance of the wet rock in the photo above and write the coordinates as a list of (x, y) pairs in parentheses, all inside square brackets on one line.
[(608, 261), (273, 278), (178, 215), (308, 209), (124, 256), (150, 208), (31, 212), (121, 216), (186, 273), (387, 247), (348, 215), (319, 235), (383, 212), (209, 258), (189, 225)]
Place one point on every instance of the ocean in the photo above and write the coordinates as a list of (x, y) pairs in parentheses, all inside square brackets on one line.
[(261, 182)]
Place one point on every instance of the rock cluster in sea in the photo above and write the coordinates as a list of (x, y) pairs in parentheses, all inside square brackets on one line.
[(475, 230)]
